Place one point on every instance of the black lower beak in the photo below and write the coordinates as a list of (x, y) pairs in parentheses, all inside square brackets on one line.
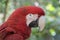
[(34, 23)]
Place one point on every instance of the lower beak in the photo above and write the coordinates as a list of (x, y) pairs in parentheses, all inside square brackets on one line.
[(41, 23)]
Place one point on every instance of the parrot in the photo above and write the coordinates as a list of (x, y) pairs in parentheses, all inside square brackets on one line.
[(18, 25)]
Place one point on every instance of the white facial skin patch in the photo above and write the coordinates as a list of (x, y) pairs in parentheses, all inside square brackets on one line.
[(31, 17)]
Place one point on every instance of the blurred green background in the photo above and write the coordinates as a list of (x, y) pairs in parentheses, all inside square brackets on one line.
[(51, 8)]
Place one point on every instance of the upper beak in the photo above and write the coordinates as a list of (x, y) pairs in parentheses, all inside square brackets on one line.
[(41, 23)]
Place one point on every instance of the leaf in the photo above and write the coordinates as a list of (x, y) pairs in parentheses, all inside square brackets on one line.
[(52, 32), (50, 7)]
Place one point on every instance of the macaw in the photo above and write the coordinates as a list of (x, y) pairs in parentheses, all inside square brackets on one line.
[(18, 25)]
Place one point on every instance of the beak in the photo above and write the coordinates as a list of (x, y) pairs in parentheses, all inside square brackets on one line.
[(41, 23)]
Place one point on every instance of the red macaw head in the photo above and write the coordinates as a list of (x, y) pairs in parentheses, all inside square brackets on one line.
[(30, 16), (35, 17)]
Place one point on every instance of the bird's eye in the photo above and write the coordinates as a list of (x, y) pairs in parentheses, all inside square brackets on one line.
[(31, 15)]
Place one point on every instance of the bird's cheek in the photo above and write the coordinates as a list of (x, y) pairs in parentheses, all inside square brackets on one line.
[(41, 23)]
